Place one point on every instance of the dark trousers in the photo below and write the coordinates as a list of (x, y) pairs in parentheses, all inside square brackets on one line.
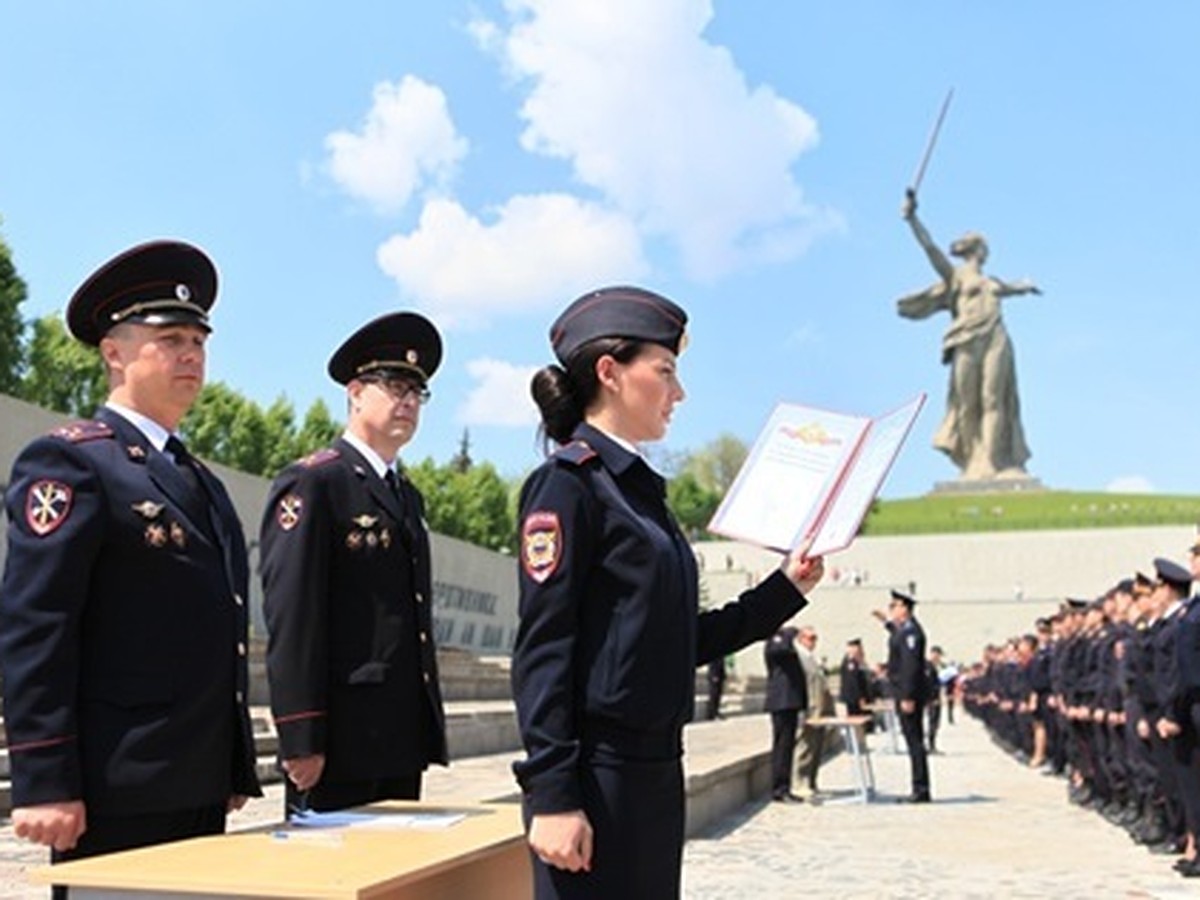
[(109, 834), (912, 725), (934, 712), (327, 796), (1187, 768), (783, 750), (636, 809)]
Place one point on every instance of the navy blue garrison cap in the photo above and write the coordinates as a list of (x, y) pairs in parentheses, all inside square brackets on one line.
[(1173, 574), (156, 283), (403, 343), (618, 312)]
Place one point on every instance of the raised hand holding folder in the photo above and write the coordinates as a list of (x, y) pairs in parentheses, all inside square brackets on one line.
[(812, 473)]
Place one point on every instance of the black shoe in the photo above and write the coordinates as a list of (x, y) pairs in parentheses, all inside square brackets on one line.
[(789, 797), (916, 798), (1191, 870), (1183, 863)]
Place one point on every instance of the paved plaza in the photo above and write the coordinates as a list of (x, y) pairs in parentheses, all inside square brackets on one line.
[(996, 829)]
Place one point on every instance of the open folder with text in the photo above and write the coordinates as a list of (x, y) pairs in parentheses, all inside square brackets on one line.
[(812, 473)]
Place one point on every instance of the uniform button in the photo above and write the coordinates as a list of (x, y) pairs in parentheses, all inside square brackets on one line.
[(424, 638), (237, 598), (425, 675), (239, 696), (241, 649), (420, 597)]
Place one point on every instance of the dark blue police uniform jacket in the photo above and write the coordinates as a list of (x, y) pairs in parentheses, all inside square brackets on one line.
[(787, 686), (348, 595), (123, 628), (604, 664), (906, 662)]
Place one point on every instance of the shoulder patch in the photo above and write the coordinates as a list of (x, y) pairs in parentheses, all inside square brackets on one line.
[(319, 458), (541, 544), (83, 430), (577, 452), (47, 505)]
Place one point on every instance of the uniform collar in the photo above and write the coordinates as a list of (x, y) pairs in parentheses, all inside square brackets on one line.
[(155, 433), (617, 455), (374, 460)]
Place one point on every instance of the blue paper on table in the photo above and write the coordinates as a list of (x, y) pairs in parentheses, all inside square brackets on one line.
[(339, 819)]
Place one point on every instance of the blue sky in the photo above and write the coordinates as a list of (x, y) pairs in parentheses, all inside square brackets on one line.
[(486, 162)]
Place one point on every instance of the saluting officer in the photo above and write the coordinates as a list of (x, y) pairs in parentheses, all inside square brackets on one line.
[(906, 673), (610, 631), (347, 588), (123, 622)]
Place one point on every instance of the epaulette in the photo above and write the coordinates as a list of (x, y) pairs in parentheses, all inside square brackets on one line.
[(577, 452), (319, 458), (83, 430)]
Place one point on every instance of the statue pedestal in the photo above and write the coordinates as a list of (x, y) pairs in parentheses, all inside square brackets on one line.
[(988, 485)]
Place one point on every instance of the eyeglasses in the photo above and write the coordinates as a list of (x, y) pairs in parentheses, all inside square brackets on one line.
[(401, 389)]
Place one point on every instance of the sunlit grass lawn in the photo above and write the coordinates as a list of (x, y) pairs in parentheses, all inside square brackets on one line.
[(1028, 511)]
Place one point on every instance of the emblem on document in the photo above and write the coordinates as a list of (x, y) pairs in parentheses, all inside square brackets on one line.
[(541, 545), (46, 506)]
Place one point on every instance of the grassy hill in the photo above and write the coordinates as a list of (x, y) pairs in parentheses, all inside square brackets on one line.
[(1028, 511)]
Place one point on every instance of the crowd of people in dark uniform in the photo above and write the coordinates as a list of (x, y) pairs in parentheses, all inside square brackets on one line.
[(1106, 694)]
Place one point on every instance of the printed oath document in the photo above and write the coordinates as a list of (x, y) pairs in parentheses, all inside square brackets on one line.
[(812, 473)]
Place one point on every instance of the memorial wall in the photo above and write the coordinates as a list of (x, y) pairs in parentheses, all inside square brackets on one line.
[(474, 590)]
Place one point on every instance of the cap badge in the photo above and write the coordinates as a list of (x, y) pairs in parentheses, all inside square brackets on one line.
[(411, 357), (183, 292), (46, 506)]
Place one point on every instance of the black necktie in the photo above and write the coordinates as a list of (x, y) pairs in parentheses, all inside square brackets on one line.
[(184, 464), (393, 484)]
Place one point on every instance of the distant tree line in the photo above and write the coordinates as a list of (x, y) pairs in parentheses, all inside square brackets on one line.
[(41, 363)]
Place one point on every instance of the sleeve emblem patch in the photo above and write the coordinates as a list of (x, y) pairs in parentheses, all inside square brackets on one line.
[(46, 506), (290, 508), (541, 545)]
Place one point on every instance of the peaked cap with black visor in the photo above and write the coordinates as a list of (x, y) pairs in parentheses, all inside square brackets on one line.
[(162, 282), (396, 345)]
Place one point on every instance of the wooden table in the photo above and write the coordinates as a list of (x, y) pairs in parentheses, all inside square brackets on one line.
[(853, 729), (482, 857)]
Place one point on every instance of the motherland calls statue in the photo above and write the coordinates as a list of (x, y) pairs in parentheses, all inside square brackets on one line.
[(981, 431)]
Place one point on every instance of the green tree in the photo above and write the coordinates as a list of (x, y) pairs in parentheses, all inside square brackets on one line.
[(472, 506), (717, 463), (209, 423), (61, 373), (318, 430), (12, 295), (692, 504), (280, 423)]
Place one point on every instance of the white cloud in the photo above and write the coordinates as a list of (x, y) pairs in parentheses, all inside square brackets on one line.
[(535, 253), (664, 123), (501, 395), (1130, 484), (407, 141)]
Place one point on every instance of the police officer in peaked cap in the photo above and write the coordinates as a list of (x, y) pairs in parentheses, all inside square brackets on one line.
[(123, 619), (610, 630), (348, 588)]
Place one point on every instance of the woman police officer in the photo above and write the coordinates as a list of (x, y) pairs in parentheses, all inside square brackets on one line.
[(610, 629)]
